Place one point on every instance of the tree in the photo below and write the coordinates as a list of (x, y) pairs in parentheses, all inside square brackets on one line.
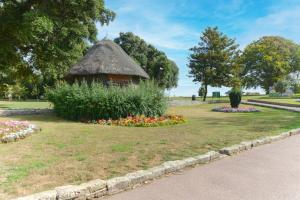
[(281, 87), (296, 88), (211, 60), (44, 38), (296, 60), (201, 91), (268, 61), (294, 81), (19, 91), (163, 70)]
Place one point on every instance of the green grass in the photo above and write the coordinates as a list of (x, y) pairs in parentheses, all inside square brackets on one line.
[(66, 152), (24, 104), (282, 100), (209, 98), (33, 104)]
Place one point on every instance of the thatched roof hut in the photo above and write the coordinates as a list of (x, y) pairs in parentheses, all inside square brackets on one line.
[(107, 62)]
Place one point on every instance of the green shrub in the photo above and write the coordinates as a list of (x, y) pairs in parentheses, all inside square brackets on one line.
[(275, 94), (280, 87), (296, 88), (95, 101), (235, 96)]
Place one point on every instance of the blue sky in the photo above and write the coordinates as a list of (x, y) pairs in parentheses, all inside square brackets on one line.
[(174, 26)]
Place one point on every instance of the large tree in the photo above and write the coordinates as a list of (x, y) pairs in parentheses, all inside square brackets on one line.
[(211, 61), (41, 39), (154, 62), (269, 60)]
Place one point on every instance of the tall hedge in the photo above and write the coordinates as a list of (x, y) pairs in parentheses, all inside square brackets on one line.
[(95, 101)]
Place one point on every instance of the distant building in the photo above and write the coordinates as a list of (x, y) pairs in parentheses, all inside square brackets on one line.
[(107, 62)]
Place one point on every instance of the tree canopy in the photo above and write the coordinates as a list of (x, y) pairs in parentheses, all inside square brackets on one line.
[(269, 60), (211, 61), (163, 70), (40, 40)]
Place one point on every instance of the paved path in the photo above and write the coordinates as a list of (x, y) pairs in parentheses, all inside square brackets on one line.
[(268, 172), (294, 109)]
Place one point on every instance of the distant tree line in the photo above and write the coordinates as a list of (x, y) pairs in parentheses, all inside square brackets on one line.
[(270, 62), (163, 70), (41, 40)]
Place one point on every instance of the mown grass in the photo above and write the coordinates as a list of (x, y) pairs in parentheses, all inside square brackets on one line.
[(209, 98), (24, 104), (282, 100), (33, 104), (66, 152)]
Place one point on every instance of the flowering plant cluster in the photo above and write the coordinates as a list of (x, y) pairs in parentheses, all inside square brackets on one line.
[(7, 127), (142, 121), (230, 109)]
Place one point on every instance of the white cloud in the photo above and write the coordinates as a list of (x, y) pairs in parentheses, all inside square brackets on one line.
[(283, 22), (174, 26), (152, 25)]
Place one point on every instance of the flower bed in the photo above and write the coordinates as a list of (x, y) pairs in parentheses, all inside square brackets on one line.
[(13, 130), (142, 121), (235, 110)]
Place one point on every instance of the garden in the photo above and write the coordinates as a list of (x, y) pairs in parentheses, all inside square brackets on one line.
[(68, 152), (103, 132), (99, 108)]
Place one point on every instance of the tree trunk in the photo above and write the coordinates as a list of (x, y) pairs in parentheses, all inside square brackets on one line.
[(205, 92)]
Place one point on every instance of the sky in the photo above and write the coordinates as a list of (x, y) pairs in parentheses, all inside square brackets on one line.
[(174, 26)]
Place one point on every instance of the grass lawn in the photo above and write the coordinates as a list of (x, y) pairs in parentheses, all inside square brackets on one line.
[(24, 104), (67, 152), (282, 100), (210, 98)]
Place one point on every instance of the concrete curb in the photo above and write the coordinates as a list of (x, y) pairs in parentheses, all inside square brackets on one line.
[(99, 188), (247, 145)]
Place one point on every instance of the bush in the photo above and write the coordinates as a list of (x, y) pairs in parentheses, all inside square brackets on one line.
[(235, 96), (275, 94), (296, 88), (281, 87), (95, 101), (193, 97)]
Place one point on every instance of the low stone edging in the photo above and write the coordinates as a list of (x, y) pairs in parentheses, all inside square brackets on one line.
[(254, 143), (99, 188), (12, 137), (12, 112)]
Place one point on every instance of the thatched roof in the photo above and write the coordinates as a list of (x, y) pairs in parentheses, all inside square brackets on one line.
[(106, 57)]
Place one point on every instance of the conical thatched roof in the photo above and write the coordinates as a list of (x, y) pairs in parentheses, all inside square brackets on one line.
[(106, 57)]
